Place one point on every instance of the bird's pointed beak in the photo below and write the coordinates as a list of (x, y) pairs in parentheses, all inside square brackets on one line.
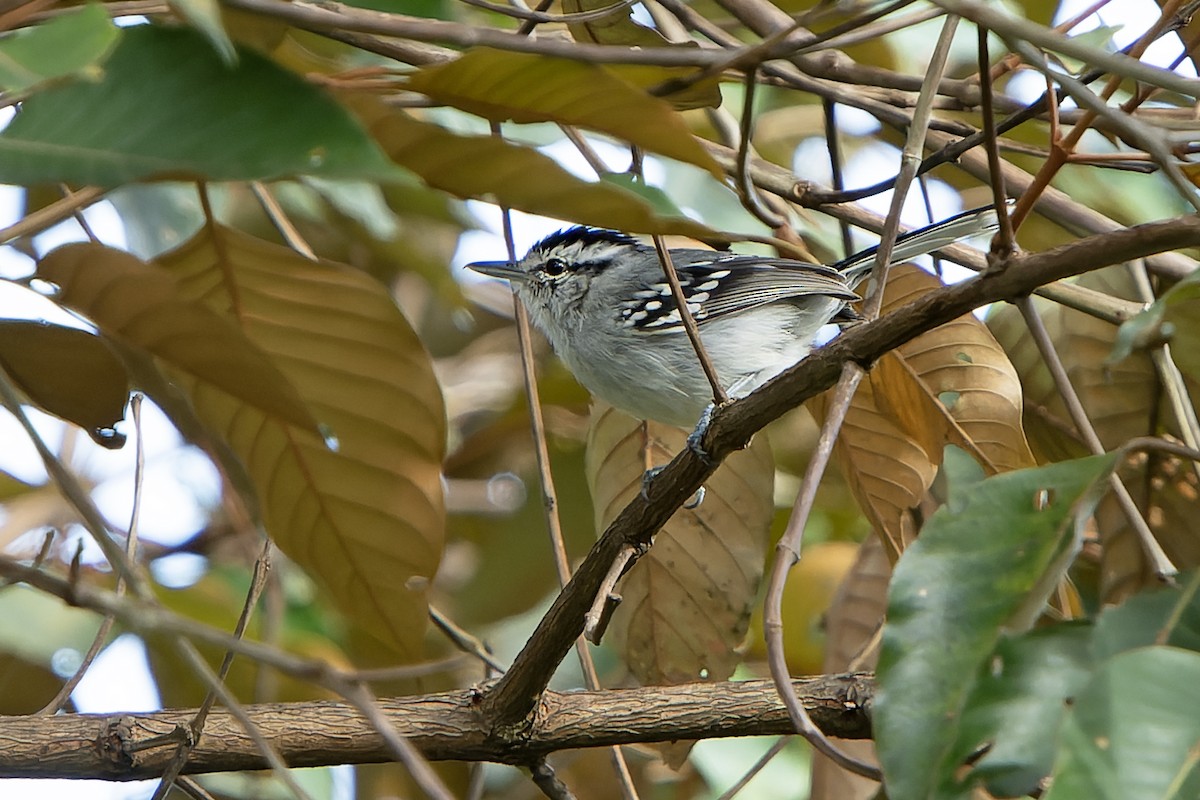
[(505, 270)]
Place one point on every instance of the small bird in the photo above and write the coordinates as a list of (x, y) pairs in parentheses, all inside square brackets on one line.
[(602, 300)]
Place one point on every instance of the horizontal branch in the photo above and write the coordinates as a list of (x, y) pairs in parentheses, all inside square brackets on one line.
[(446, 726), (330, 16)]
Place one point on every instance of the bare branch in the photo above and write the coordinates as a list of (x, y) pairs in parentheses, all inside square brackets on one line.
[(446, 726)]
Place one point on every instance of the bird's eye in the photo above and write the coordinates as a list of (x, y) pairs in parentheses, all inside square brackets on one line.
[(555, 267)]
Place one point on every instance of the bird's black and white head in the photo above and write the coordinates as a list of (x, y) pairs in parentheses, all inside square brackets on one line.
[(554, 277)]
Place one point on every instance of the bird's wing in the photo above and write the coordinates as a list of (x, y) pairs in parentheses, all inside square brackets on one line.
[(720, 286)]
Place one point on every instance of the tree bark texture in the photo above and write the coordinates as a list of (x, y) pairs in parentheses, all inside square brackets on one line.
[(446, 726)]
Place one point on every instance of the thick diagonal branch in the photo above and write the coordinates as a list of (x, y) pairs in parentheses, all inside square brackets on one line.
[(511, 702)]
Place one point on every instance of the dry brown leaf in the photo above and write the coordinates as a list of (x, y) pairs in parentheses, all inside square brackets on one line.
[(963, 367), (952, 385), (687, 603), (887, 470), (363, 516)]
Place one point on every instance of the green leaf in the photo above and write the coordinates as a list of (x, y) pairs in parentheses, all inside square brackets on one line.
[(659, 200), (35, 626), (618, 27), (502, 85), (1170, 615), (168, 106), (73, 43), (489, 168), (142, 306), (68, 372), (1132, 732), (364, 516), (1173, 318), (982, 563), (1017, 705)]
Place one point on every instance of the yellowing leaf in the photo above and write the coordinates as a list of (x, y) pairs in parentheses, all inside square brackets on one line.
[(139, 305), (68, 372), (617, 27), (687, 603), (488, 168), (524, 87), (365, 516)]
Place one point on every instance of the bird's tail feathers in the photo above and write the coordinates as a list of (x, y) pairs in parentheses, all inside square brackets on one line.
[(975, 222)]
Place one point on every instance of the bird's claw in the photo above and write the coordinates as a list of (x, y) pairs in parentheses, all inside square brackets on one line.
[(695, 440), (648, 477)]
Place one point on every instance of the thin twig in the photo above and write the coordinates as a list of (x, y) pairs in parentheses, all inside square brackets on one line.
[(838, 178), (1004, 241), (79, 217), (464, 641), (746, 189), (910, 163), (549, 495), (758, 767), (64, 694), (417, 765), (541, 17), (689, 322), (1016, 29), (258, 580), (1174, 385), (197, 663), (95, 524), (93, 521), (192, 788), (787, 553), (52, 214), (545, 779), (279, 219), (597, 617), (1162, 565), (410, 671)]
